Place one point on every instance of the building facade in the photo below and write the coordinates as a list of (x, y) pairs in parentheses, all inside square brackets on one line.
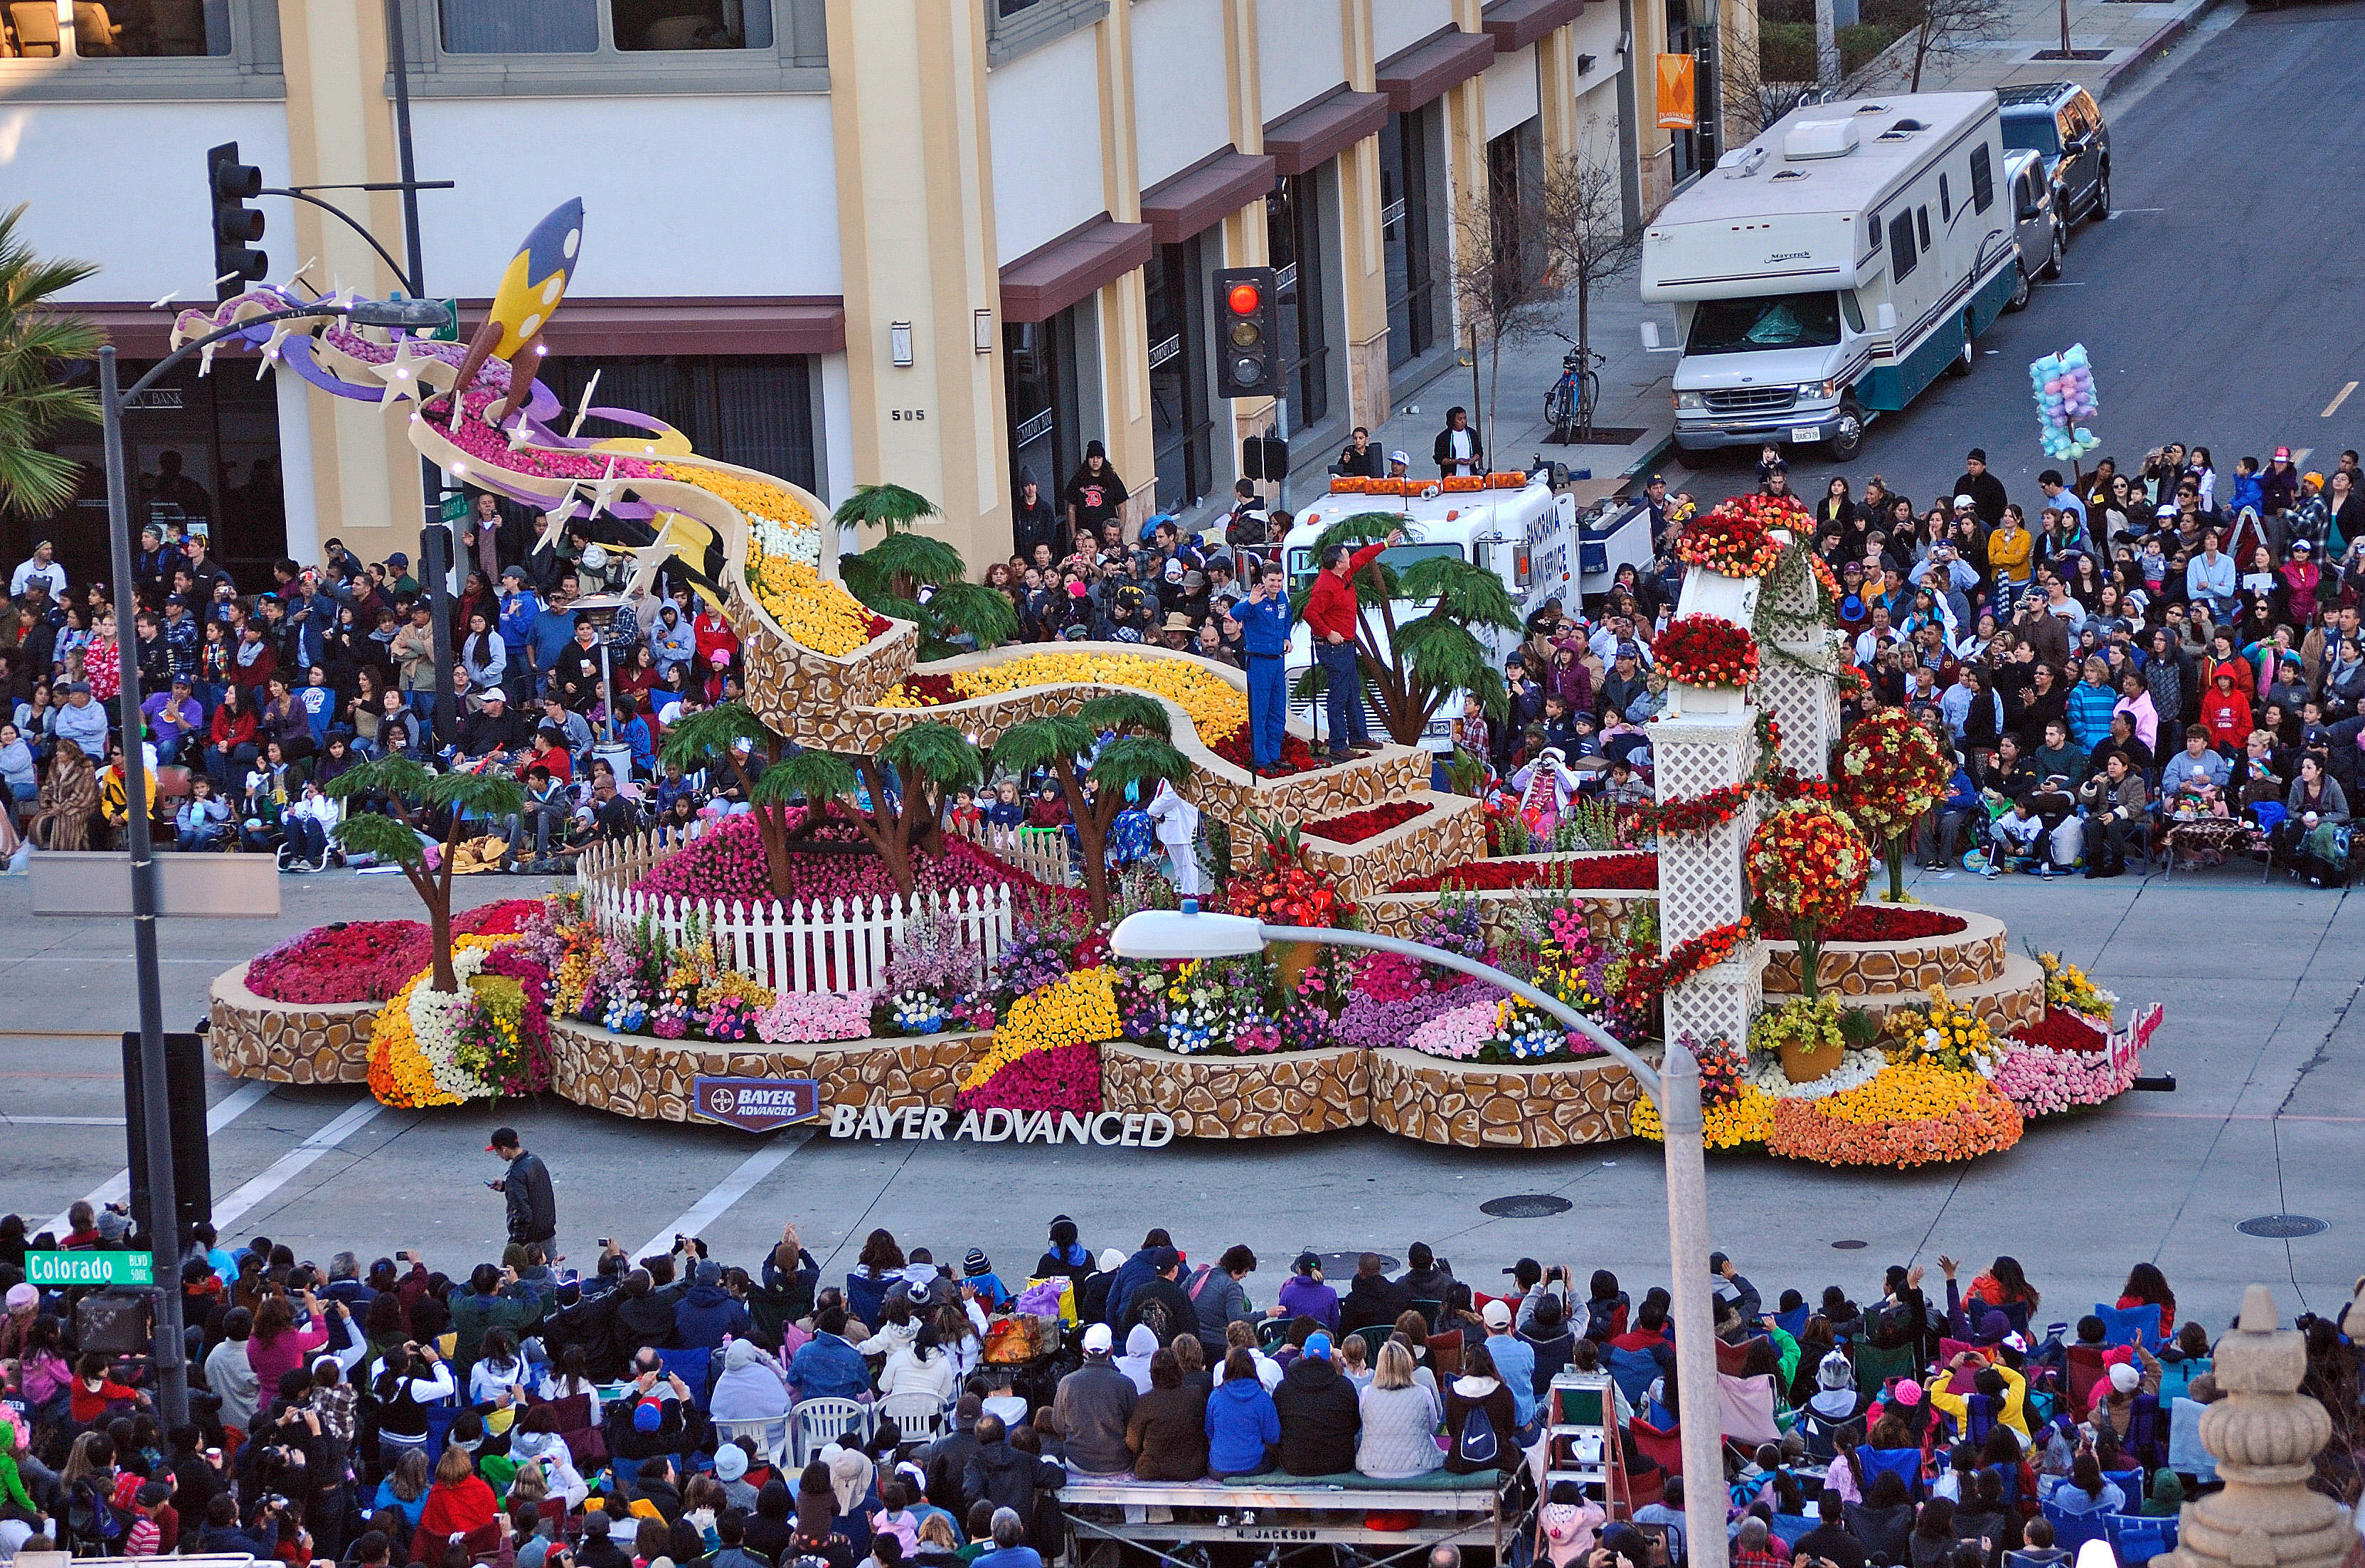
[(938, 241)]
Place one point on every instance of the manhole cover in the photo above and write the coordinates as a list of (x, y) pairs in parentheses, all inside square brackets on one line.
[(1524, 1206), (1849, 1246), (2282, 1225), (1342, 1266)]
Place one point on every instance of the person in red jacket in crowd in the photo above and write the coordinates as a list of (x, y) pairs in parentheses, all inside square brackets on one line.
[(714, 635), (2225, 712), (1330, 616)]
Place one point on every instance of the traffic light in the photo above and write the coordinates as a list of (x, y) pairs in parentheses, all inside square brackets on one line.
[(228, 185), (1248, 349)]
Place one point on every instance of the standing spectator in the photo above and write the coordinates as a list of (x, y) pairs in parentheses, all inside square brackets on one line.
[(1458, 453), (41, 567), (1095, 495)]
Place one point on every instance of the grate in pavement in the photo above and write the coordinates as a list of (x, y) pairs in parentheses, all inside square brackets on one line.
[(2282, 1226), (1525, 1205)]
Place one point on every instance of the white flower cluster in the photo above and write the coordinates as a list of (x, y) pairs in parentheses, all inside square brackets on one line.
[(1857, 1068), (794, 542), (435, 1022)]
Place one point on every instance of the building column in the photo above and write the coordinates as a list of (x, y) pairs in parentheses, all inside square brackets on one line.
[(1363, 260), (1247, 241), (1556, 93), (365, 487), (1124, 305), (907, 104)]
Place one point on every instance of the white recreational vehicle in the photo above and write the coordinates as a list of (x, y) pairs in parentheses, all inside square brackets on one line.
[(1528, 537), (1828, 271)]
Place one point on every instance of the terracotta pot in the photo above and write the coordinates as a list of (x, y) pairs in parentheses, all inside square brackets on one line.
[(1800, 1065)]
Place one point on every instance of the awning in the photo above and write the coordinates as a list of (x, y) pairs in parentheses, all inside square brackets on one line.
[(1308, 138), (1195, 199), (1431, 67), (1515, 24), (1046, 280), (719, 324)]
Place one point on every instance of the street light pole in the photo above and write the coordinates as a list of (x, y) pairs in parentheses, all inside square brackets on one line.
[(1673, 1085), (162, 1219)]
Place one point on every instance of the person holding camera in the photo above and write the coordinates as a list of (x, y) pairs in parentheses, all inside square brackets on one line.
[(532, 1210), (407, 1379)]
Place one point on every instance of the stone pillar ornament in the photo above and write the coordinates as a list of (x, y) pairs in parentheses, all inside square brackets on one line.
[(2264, 1435)]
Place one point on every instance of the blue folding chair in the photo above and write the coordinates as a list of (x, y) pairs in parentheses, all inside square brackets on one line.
[(2120, 1325), (439, 1427), (1793, 1322), (2070, 1531), (2130, 1483), (695, 1368), (1903, 1463), (2134, 1540), (1633, 1371), (1790, 1526)]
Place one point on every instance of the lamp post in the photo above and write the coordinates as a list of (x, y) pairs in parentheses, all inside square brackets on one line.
[(162, 1218), (1186, 934)]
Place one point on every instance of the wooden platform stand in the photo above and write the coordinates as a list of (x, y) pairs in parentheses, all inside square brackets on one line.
[(1292, 1521)]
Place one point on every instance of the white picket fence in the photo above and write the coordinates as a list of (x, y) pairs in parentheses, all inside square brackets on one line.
[(1042, 853)]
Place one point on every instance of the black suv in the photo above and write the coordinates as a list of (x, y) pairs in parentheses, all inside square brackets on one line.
[(2060, 122)]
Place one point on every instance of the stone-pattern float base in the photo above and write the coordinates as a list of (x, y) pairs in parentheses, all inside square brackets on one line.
[(1242, 1097), (644, 1076), (253, 1036), (1467, 1106)]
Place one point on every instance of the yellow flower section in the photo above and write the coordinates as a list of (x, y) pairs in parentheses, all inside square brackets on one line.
[(1078, 1009), (759, 500), (1216, 708), (813, 613), (1909, 1092), (400, 1072), (1748, 1119)]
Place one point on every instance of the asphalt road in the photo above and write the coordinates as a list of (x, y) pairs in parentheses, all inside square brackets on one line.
[(2220, 304)]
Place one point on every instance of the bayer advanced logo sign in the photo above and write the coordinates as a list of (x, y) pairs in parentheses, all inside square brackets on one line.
[(755, 1104)]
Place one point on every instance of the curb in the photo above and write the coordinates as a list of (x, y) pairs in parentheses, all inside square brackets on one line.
[(1650, 459), (2153, 47)]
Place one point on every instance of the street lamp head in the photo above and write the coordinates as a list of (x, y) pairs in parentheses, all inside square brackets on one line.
[(1180, 934), (405, 313)]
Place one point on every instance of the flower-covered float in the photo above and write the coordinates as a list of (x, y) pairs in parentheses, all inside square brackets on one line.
[(838, 932)]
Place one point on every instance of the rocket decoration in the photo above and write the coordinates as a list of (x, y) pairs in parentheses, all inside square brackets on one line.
[(530, 288)]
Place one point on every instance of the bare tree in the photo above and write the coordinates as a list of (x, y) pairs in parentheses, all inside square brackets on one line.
[(1584, 231), (1501, 278), (1946, 27)]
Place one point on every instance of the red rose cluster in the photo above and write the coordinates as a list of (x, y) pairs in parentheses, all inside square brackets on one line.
[(1706, 650), (1357, 826)]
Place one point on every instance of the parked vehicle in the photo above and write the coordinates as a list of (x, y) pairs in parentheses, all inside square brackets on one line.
[(2038, 225), (1825, 272), (2060, 122)]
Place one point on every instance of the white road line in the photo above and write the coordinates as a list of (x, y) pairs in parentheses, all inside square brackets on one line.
[(8, 1121), (296, 1161), (2330, 408), (733, 1187), (225, 1111), (2299, 454)]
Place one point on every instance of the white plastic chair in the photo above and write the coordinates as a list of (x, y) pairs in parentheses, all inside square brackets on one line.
[(770, 1435), (821, 1421), (919, 1416)]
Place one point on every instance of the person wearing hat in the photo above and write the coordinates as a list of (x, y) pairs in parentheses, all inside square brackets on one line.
[(1095, 495), (1318, 1411), (1985, 490), (752, 1387), (1093, 1404), (1400, 465), (1304, 1294), (173, 717), (1513, 1359), (532, 1210), (41, 567), (978, 1277), (708, 1313)]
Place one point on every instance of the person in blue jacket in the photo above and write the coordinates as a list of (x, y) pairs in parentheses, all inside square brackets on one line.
[(1942, 827), (1243, 1426), (520, 605), (1264, 619), (709, 1313)]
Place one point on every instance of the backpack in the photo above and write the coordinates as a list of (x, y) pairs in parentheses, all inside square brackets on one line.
[(91, 1515), (1478, 1441)]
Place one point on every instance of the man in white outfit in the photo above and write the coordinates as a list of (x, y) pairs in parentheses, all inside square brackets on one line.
[(1177, 824)]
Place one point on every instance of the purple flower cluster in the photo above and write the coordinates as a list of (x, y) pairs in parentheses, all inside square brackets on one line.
[(1376, 1024)]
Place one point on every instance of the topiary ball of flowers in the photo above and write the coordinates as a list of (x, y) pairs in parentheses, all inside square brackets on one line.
[(1892, 772), (1706, 650), (1808, 863)]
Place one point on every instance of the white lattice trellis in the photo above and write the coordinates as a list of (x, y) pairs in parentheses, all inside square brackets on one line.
[(1805, 704)]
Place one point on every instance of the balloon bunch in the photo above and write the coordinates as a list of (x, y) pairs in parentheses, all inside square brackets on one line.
[(2064, 387)]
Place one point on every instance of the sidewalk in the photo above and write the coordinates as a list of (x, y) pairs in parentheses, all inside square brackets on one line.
[(2126, 36)]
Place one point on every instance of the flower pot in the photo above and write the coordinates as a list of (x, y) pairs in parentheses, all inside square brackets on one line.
[(1803, 1064), (1291, 959)]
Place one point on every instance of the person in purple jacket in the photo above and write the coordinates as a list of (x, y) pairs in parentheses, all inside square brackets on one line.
[(1304, 1295)]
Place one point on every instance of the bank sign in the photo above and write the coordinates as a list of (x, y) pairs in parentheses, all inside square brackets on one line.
[(90, 1268), (756, 1104)]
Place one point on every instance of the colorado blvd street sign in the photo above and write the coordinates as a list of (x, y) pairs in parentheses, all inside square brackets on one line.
[(756, 1104), (90, 1268)]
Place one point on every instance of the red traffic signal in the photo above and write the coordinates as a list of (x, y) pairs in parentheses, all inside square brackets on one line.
[(1244, 298), (1247, 337)]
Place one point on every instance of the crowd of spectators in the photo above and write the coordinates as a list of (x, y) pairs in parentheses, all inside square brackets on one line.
[(658, 1410)]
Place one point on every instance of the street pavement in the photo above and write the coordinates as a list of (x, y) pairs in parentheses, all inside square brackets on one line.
[(2259, 980)]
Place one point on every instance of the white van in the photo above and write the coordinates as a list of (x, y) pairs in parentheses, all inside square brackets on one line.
[(1825, 272), (1528, 537)]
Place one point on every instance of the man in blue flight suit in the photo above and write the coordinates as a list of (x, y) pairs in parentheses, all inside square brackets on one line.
[(1264, 619)]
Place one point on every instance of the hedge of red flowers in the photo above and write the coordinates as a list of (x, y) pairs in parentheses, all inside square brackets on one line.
[(1879, 923), (1628, 873), (1736, 539), (2062, 1030), (1238, 749), (1357, 826), (1706, 650), (366, 960)]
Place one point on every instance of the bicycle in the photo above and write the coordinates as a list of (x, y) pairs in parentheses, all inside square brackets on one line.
[(1570, 405)]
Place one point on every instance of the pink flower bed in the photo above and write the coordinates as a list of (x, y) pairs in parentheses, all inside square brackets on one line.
[(1065, 1078), (728, 863), (366, 960)]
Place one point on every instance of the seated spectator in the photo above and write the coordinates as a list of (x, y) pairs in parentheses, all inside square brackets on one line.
[(1317, 1410), (1093, 1406), (1398, 1421), (1304, 1294), (1372, 1297), (1243, 1424), (1479, 1418), (1010, 1549), (1167, 1429)]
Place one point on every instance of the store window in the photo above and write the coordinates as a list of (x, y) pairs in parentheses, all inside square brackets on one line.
[(1409, 203), (157, 29), (1515, 177), (1182, 429), (1294, 244), (1042, 379), (202, 451), (755, 410), (576, 26), (1692, 151)]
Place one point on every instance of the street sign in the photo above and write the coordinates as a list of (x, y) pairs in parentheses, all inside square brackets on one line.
[(449, 333), (455, 507), (756, 1104), (90, 1268)]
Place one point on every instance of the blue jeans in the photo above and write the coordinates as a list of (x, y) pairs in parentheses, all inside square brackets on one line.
[(1268, 707), (1343, 700)]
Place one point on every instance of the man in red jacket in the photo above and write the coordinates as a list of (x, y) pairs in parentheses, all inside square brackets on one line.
[(1330, 617)]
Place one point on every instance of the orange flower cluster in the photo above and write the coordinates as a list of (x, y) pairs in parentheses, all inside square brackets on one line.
[(1809, 864), (1737, 540), (1981, 1121)]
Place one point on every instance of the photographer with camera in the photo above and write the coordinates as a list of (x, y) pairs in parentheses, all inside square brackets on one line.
[(404, 1382)]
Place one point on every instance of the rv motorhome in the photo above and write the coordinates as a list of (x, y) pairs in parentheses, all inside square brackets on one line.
[(1828, 271)]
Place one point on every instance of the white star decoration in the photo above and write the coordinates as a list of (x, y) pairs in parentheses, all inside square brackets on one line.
[(401, 379)]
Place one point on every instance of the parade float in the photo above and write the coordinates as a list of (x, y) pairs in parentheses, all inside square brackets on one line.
[(839, 936)]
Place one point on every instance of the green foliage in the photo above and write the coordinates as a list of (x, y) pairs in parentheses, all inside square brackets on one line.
[(890, 507), (1127, 710), (934, 753), (1444, 657), (986, 614), (707, 734), (1463, 591), (921, 557), (1137, 759), (36, 345), (1363, 527), (414, 788), (815, 775), (1042, 742), (381, 838)]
